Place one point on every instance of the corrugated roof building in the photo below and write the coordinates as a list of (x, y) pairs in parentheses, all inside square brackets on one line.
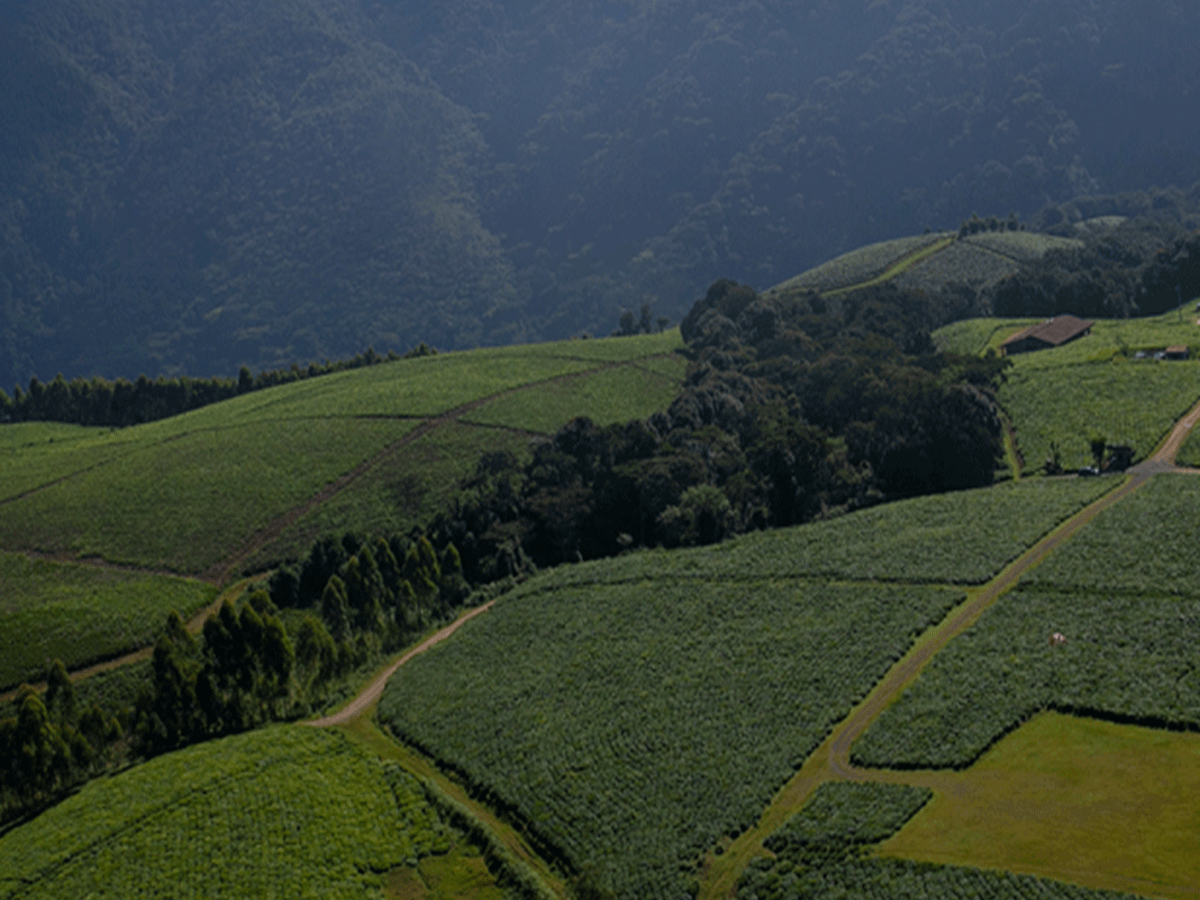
[(1051, 333)]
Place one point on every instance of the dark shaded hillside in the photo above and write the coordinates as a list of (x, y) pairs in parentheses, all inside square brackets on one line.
[(187, 189)]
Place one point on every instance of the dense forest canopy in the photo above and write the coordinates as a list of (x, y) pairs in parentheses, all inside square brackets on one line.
[(186, 189)]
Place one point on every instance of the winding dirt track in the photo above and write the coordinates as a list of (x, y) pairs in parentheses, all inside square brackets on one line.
[(373, 691), (831, 761)]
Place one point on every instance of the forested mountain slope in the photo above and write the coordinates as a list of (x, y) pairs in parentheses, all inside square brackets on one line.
[(185, 188)]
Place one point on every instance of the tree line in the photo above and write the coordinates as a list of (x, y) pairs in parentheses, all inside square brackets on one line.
[(791, 409), (122, 403), (355, 600)]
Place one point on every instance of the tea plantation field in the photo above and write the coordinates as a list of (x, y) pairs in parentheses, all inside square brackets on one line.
[(285, 811), (185, 493), (1122, 592), (81, 613), (632, 725)]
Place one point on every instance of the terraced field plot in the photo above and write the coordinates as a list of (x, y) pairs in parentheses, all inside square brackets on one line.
[(964, 537), (857, 266), (1121, 591), (81, 613), (285, 811), (1134, 403), (185, 493), (632, 725), (1092, 802)]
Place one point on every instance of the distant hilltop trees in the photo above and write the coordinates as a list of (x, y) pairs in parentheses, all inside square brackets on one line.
[(121, 403)]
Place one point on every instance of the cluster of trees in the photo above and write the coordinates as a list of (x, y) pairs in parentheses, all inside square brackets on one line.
[(49, 744), (792, 408), (359, 598), (645, 323), (356, 599), (122, 403), (1140, 268)]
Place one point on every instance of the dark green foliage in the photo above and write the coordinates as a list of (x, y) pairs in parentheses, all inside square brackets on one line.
[(823, 852), (144, 235), (119, 404)]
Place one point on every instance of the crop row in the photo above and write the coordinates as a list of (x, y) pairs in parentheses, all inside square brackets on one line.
[(1146, 544), (963, 537), (959, 263), (819, 853), (183, 493), (631, 725), (278, 812), (857, 266), (1133, 403), (1025, 246), (80, 613), (1126, 657)]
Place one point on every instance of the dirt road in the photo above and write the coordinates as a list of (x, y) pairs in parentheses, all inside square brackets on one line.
[(831, 761), (373, 691)]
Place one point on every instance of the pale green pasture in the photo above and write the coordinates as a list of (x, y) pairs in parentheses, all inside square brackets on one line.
[(1103, 805), (80, 613), (977, 336)]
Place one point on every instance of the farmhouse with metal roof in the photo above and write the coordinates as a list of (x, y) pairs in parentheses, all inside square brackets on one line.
[(1051, 333)]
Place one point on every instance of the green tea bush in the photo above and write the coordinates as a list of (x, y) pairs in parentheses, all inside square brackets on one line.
[(630, 725), (284, 811)]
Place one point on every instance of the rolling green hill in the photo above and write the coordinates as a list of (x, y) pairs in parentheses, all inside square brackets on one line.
[(203, 492)]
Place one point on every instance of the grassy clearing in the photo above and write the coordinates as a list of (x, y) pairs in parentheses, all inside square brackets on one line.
[(34, 454), (283, 811), (965, 537), (80, 613), (1104, 805), (1134, 403), (646, 720), (1025, 246)]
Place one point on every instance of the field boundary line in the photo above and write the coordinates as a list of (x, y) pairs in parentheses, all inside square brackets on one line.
[(220, 571), (899, 267)]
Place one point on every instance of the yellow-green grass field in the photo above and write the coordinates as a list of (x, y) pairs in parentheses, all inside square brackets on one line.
[(1073, 799), (82, 613), (185, 493)]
